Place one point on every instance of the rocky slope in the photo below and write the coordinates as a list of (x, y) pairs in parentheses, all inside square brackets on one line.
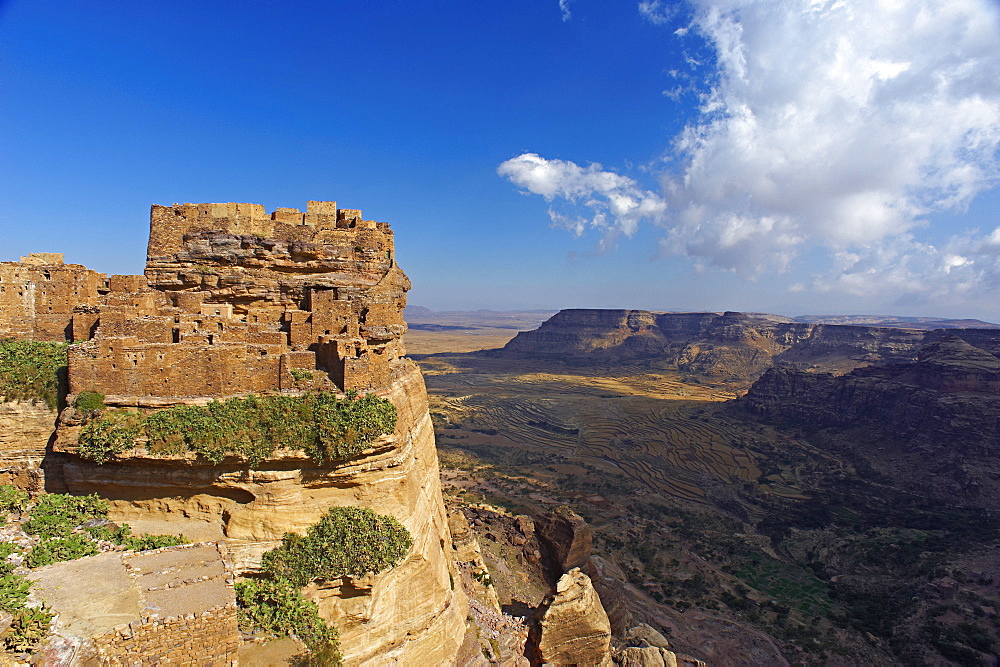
[(935, 421), (731, 345)]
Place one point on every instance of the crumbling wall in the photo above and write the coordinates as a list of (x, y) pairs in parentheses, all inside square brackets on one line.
[(39, 294)]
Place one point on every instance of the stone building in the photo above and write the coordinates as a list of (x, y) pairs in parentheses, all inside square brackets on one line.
[(233, 300), (39, 294)]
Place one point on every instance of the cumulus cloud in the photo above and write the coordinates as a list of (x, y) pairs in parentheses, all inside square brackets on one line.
[(834, 123), (845, 126), (614, 204)]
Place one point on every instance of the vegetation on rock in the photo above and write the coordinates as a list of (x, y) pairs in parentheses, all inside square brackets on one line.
[(59, 521), (32, 370), (29, 625), (88, 402), (346, 541), (12, 499), (56, 514), (277, 607), (325, 426)]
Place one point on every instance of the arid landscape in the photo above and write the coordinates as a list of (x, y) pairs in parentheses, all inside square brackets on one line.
[(742, 539)]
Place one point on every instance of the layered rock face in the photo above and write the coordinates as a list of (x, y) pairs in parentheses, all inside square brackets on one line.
[(574, 630), (941, 411), (235, 301), (409, 614), (729, 345), (25, 430)]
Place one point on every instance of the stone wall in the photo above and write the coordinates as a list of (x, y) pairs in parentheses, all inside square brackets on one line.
[(39, 294), (232, 301), (174, 605), (208, 637)]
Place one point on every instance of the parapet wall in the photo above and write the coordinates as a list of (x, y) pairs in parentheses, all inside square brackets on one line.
[(169, 224)]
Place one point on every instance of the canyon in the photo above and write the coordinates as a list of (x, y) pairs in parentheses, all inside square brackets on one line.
[(759, 490), (613, 485)]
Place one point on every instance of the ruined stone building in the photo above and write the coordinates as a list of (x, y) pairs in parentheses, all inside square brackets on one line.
[(233, 300)]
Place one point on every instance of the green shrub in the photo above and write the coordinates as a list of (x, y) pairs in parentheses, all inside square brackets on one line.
[(123, 535), (56, 514), (32, 370), (345, 427), (57, 549), (12, 499), (276, 606), (89, 402), (110, 533), (104, 439), (13, 590), (29, 626), (146, 541), (346, 541), (325, 426)]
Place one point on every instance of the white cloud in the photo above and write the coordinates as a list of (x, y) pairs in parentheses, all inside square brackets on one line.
[(838, 124), (843, 126), (564, 8), (614, 204), (656, 12)]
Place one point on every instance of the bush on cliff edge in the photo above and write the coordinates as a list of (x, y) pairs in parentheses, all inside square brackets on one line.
[(324, 425), (346, 541)]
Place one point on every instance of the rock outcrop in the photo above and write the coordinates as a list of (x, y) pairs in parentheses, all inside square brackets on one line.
[(567, 538), (237, 301), (735, 346), (574, 630)]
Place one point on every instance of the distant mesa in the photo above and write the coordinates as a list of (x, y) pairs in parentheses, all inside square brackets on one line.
[(731, 345), (931, 424)]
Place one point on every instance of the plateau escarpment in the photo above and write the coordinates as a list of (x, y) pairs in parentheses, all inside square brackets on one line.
[(731, 346), (238, 302)]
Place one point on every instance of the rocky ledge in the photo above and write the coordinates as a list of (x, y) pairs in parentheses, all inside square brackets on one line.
[(410, 614)]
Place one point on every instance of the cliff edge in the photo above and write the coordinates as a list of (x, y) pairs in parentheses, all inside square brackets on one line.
[(237, 302)]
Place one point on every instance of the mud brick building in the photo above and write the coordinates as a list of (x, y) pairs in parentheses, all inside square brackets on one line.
[(233, 300), (39, 293)]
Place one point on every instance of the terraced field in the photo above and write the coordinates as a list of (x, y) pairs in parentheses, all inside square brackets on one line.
[(662, 432)]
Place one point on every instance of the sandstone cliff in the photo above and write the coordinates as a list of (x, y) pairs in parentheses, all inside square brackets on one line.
[(237, 301), (25, 430)]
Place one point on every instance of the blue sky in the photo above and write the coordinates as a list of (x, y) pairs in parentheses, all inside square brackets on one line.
[(799, 157)]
